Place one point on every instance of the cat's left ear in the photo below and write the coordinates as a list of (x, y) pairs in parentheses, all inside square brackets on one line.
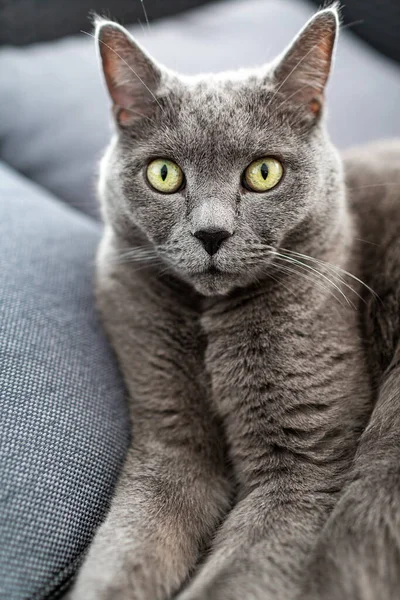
[(302, 72)]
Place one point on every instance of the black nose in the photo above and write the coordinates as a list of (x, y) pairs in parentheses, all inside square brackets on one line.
[(212, 238)]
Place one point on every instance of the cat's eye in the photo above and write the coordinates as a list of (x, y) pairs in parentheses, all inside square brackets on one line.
[(164, 175), (263, 174)]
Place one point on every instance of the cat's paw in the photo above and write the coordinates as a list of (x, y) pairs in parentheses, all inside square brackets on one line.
[(228, 586), (131, 581), (358, 553), (87, 589), (91, 592), (101, 586)]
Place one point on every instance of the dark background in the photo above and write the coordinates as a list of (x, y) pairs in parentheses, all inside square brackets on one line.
[(28, 21)]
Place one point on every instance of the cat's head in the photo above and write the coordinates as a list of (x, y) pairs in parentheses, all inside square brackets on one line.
[(212, 172)]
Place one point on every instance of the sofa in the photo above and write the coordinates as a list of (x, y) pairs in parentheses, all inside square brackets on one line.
[(64, 423)]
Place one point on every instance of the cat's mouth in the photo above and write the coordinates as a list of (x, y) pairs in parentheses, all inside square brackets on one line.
[(219, 279), (213, 280), (210, 269)]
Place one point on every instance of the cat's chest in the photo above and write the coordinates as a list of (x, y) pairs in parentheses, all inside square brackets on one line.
[(274, 359), (292, 391)]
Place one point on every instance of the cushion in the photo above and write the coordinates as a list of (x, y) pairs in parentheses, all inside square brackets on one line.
[(54, 113), (63, 418)]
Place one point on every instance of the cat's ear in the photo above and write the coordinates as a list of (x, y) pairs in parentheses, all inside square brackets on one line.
[(302, 72), (131, 75)]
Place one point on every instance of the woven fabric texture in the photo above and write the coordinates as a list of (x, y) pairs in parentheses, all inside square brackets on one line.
[(63, 420)]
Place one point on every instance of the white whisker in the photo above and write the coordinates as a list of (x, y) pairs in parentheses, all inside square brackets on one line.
[(330, 268), (373, 185), (367, 242), (136, 255), (141, 25), (127, 259), (335, 268), (314, 280), (359, 22), (145, 14), (295, 260)]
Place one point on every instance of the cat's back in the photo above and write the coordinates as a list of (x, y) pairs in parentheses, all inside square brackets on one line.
[(372, 174)]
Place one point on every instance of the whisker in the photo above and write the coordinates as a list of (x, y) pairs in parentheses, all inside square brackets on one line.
[(321, 275), (167, 269), (332, 271), (141, 25), (359, 22), (373, 185), (312, 279), (336, 268), (145, 13), (138, 253), (140, 249), (279, 282), (134, 258), (284, 268), (367, 242), (128, 259), (141, 268)]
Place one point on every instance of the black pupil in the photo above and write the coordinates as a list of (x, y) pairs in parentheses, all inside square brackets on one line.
[(164, 172), (264, 171)]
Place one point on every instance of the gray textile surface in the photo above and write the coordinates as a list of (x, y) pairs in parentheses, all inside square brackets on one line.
[(54, 114), (63, 420)]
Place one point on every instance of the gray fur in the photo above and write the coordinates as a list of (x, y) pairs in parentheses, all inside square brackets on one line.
[(264, 392)]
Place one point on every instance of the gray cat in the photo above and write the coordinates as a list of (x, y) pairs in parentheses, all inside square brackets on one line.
[(250, 286)]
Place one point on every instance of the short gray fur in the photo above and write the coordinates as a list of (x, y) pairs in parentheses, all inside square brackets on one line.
[(264, 396)]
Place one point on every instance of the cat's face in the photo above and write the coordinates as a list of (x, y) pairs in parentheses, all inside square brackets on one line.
[(218, 172)]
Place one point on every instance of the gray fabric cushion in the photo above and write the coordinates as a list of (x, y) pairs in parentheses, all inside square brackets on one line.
[(54, 114), (63, 421)]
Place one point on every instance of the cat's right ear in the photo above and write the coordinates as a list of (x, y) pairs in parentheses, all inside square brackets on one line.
[(303, 70), (131, 75)]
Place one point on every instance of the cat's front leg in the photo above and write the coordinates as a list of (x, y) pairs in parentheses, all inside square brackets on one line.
[(173, 491), (261, 550), (358, 552), (165, 508)]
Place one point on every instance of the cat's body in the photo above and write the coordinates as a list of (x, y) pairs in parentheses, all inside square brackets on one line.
[(253, 373), (358, 553)]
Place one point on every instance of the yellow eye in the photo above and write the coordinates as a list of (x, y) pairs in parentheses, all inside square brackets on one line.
[(263, 174), (164, 176)]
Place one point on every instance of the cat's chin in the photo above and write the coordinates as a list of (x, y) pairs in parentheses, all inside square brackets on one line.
[(218, 284)]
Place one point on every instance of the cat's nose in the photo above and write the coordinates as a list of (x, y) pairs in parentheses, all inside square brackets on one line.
[(212, 238)]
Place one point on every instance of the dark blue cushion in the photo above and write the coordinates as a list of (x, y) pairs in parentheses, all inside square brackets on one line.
[(63, 420)]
